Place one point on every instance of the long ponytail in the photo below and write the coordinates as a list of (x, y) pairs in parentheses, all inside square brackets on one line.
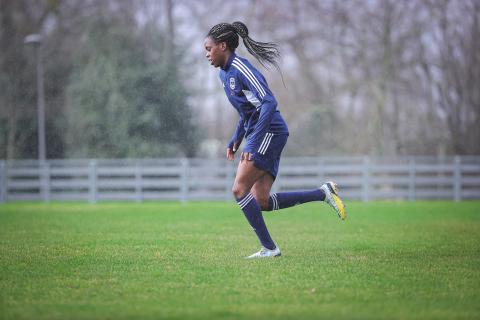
[(266, 53)]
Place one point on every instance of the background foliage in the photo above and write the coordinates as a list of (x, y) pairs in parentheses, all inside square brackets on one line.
[(112, 87), (129, 78)]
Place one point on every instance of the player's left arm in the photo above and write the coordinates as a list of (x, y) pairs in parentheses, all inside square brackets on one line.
[(237, 136)]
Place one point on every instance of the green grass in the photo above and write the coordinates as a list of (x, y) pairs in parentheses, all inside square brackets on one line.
[(389, 260)]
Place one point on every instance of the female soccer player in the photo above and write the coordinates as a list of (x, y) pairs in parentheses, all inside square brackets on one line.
[(263, 128)]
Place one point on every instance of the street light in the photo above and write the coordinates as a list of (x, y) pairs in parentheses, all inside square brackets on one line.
[(36, 41)]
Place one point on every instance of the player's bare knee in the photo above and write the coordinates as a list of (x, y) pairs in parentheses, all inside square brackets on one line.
[(239, 191)]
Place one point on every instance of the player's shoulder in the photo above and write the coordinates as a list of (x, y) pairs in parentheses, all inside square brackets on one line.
[(243, 66), (241, 62)]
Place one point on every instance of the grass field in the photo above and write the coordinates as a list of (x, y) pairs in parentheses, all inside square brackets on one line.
[(389, 260)]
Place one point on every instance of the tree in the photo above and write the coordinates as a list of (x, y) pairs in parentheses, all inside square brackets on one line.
[(101, 50), (123, 103), (450, 65)]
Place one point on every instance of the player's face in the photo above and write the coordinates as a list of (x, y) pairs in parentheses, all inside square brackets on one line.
[(215, 52)]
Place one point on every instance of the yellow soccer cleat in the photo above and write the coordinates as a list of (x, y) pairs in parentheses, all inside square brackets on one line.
[(331, 197)]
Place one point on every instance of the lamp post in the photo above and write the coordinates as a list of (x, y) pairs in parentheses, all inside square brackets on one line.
[(36, 41)]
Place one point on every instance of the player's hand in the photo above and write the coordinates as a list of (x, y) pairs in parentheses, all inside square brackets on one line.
[(230, 154)]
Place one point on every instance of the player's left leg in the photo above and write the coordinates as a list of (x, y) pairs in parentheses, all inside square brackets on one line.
[(276, 201), (282, 200), (269, 162), (247, 175), (330, 189), (261, 190)]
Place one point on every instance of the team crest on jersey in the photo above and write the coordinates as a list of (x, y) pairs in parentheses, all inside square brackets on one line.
[(232, 83)]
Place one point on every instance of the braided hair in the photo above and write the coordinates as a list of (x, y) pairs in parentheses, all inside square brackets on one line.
[(266, 53)]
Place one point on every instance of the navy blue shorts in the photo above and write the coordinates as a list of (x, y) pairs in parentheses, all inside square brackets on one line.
[(267, 157)]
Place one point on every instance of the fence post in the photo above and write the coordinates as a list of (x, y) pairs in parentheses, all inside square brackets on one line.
[(366, 179), (276, 184), (184, 180), (411, 179), (138, 182), (45, 180), (320, 171), (3, 181), (92, 181), (228, 180), (457, 179)]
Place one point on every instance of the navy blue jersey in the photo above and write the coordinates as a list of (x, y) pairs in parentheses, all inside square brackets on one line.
[(248, 92)]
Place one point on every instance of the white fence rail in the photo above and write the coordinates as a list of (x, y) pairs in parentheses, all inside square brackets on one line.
[(364, 178)]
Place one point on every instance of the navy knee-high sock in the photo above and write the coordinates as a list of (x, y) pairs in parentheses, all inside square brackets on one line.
[(284, 200), (253, 213)]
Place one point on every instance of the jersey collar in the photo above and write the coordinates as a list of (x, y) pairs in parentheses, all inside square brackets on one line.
[(229, 62)]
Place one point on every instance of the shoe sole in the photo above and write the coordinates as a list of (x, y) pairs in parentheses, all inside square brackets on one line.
[(252, 258), (332, 186)]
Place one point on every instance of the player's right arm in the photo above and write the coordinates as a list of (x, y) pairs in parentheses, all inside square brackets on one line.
[(236, 139)]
